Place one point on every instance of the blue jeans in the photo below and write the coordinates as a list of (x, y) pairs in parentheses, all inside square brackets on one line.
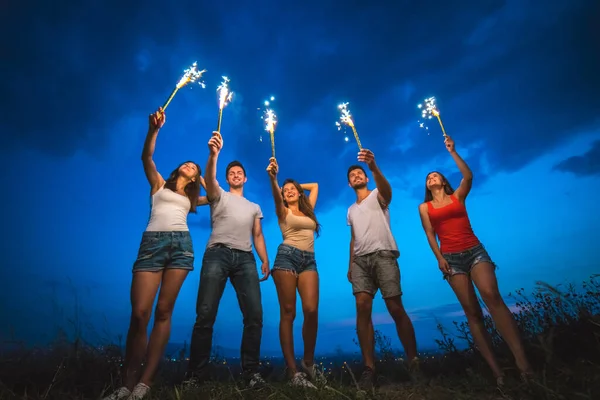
[(218, 264)]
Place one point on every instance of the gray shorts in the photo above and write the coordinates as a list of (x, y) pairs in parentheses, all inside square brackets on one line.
[(378, 270)]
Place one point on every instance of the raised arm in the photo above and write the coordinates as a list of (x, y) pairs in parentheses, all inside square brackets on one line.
[(202, 200), (313, 192), (261, 248), (383, 186), (431, 238), (155, 122), (467, 176), (210, 173), (280, 209)]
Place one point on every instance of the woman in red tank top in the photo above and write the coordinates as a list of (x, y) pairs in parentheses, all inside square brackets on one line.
[(464, 261)]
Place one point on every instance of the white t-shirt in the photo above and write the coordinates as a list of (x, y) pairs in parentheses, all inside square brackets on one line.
[(371, 226), (232, 218)]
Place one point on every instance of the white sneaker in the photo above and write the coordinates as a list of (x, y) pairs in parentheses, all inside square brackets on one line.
[(256, 381), (314, 373), (139, 392), (299, 379), (119, 394)]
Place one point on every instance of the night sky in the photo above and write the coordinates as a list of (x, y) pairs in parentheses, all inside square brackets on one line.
[(516, 83)]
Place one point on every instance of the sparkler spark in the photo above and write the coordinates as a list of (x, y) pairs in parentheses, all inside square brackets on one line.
[(225, 96), (428, 111), (190, 75), (346, 119), (270, 120)]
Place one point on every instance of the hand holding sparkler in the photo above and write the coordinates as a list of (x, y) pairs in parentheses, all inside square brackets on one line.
[(449, 144), (225, 96), (430, 110), (346, 119), (190, 75), (273, 168), (367, 156), (156, 120), (215, 143)]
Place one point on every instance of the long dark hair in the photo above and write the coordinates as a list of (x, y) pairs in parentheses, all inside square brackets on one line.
[(303, 203), (192, 189), (447, 186)]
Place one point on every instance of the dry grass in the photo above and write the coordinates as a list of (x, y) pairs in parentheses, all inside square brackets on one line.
[(561, 329)]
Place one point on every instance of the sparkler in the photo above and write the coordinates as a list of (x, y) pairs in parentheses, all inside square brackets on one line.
[(190, 75), (346, 119), (225, 96), (270, 121), (429, 111)]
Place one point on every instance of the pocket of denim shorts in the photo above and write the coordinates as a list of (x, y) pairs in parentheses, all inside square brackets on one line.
[(186, 244), (284, 251)]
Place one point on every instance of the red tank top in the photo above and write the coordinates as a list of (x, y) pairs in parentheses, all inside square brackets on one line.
[(452, 226)]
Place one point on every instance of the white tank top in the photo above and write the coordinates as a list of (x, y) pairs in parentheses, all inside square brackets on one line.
[(168, 211)]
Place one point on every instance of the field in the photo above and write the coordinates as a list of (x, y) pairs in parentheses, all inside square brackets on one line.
[(561, 328)]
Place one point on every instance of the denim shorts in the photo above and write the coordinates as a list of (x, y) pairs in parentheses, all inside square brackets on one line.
[(160, 250), (294, 260), (464, 261), (377, 270)]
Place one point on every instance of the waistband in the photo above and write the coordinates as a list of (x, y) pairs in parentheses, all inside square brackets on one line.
[(161, 234), (295, 249), (224, 246)]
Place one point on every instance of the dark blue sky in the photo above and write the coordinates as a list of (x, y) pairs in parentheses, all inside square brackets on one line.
[(516, 83)]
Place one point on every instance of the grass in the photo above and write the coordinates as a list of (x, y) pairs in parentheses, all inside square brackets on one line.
[(561, 329)]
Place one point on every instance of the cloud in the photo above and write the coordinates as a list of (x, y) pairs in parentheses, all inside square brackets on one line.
[(498, 71), (586, 164)]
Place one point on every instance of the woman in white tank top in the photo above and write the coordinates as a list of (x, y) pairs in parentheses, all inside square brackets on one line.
[(295, 268), (165, 257)]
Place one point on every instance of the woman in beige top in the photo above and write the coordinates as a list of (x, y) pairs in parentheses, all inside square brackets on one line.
[(295, 268)]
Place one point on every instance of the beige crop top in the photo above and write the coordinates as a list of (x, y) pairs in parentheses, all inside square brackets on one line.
[(298, 232)]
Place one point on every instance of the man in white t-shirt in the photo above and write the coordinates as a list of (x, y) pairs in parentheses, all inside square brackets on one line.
[(373, 263), (236, 225)]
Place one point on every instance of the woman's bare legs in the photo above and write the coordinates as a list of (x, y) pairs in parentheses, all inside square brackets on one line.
[(171, 284)]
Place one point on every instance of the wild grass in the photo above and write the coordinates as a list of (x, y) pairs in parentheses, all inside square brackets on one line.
[(561, 329)]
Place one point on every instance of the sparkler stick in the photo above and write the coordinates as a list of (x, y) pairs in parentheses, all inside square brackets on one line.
[(346, 119), (190, 75), (430, 110), (270, 121), (225, 96)]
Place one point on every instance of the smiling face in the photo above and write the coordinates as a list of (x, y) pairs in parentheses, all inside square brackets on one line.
[(236, 177), (433, 180), (357, 179), (290, 193), (189, 170)]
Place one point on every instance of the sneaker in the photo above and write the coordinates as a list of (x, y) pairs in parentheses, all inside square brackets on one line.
[(191, 383), (255, 381), (139, 391), (299, 379), (119, 394), (500, 381), (314, 373), (414, 370), (367, 379)]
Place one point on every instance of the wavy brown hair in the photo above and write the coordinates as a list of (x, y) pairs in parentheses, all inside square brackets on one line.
[(303, 203), (192, 189), (447, 186)]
